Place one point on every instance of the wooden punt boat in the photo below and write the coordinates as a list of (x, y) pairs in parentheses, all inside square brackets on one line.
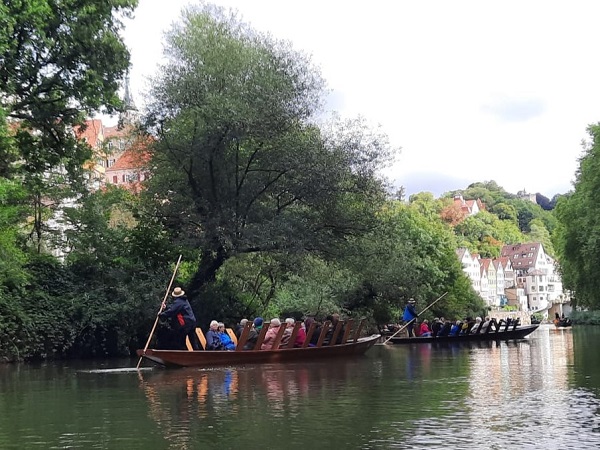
[(350, 344), (491, 334)]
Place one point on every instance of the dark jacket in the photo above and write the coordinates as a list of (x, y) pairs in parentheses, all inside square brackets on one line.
[(180, 311), (213, 340)]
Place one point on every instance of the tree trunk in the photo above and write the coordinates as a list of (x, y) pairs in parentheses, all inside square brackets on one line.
[(207, 270)]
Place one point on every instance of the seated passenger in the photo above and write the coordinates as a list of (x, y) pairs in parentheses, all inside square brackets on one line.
[(417, 329), (240, 327), (445, 330), (213, 338), (300, 337), (436, 326), (425, 331), (335, 319), (475, 328), (485, 325), (271, 334), (456, 328), (287, 334), (314, 340), (253, 334), (226, 341)]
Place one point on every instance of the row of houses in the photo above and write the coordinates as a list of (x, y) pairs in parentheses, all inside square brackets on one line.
[(120, 151), (120, 154), (524, 276)]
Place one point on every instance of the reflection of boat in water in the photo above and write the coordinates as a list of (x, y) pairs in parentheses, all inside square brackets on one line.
[(348, 346), (498, 334), (238, 404)]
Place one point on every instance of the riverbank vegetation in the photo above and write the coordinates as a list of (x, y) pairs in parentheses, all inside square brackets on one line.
[(275, 209)]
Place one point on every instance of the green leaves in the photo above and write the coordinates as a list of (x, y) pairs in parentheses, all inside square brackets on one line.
[(577, 238), (239, 166)]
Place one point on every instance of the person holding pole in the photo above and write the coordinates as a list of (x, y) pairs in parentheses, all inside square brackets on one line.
[(410, 314), (183, 320)]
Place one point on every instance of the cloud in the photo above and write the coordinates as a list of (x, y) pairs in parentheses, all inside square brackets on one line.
[(515, 110)]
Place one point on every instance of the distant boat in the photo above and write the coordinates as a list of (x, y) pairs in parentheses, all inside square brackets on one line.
[(499, 334), (562, 323)]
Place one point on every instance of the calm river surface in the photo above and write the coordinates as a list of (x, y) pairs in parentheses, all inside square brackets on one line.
[(542, 392)]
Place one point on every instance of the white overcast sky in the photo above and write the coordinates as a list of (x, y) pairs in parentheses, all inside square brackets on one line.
[(471, 90)]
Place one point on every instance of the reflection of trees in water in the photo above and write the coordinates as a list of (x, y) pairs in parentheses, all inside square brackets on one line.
[(586, 356), (180, 400)]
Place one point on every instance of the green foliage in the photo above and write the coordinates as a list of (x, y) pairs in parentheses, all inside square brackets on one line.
[(485, 233), (316, 290), (539, 233), (577, 240), (409, 255), (488, 192), (239, 167), (585, 317), (12, 256)]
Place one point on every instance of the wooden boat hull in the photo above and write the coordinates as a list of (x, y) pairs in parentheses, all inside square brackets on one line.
[(517, 333), (201, 358)]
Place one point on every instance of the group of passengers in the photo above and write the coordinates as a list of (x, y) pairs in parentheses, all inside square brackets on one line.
[(442, 327), (183, 325), (217, 338)]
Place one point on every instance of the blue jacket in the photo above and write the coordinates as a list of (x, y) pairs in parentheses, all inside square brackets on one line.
[(181, 312), (213, 340), (226, 341), (409, 313)]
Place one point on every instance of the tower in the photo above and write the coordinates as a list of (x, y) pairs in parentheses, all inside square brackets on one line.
[(130, 114)]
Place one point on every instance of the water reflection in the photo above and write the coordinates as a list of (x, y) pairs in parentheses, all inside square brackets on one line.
[(519, 395), (180, 400), (542, 392)]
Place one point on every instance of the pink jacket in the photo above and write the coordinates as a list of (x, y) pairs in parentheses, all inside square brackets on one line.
[(270, 338)]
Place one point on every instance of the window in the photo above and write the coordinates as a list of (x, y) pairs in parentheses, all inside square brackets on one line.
[(541, 288), (111, 162), (541, 278), (115, 181), (533, 288), (529, 255), (123, 176), (534, 298)]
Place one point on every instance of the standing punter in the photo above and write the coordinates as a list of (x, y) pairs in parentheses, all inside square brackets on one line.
[(182, 319), (409, 316)]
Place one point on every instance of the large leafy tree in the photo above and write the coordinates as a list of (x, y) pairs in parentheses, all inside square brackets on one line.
[(240, 166), (60, 62), (577, 239)]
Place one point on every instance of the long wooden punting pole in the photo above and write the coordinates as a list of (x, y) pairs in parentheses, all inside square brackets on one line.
[(162, 306), (410, 321)]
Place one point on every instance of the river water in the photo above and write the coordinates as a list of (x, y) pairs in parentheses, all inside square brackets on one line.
[(541, 392)]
